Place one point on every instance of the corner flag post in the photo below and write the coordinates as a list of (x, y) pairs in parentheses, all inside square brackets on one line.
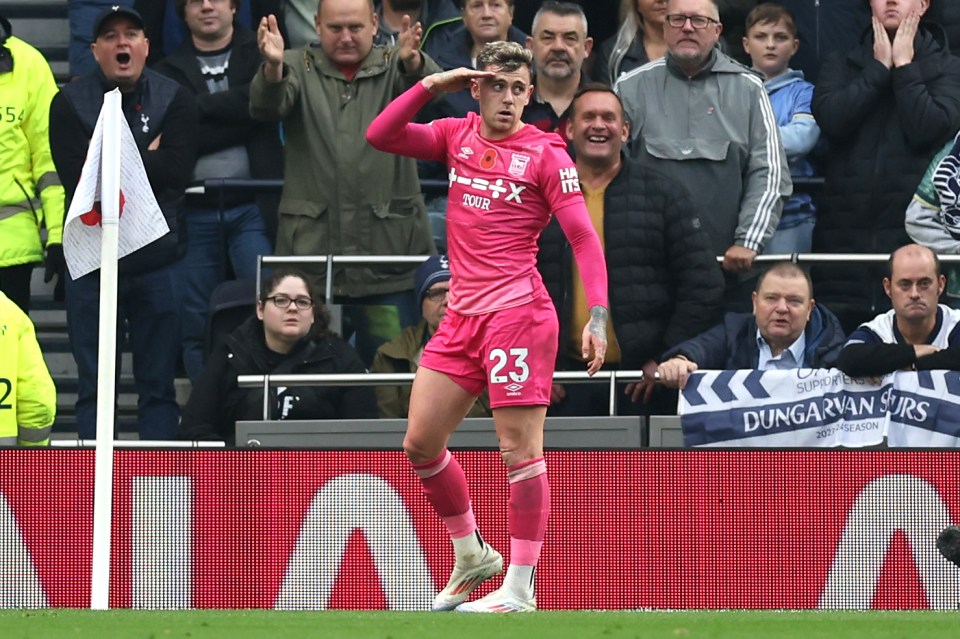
[(106, 364)]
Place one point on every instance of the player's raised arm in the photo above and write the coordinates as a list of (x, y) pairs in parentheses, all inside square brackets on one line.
[(453, 80), (393, 132)]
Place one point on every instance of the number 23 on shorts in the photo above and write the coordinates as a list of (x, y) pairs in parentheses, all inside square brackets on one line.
[(512, 362)]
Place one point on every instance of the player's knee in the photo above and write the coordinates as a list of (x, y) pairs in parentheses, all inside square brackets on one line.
[(420, 452), (514, 456)]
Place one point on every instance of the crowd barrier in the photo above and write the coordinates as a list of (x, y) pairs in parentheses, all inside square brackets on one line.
[(563, 433)]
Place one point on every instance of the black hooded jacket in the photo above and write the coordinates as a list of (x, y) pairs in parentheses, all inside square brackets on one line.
[(216, 402), (883, 127)]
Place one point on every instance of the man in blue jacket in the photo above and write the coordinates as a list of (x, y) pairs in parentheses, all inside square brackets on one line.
[(786, 330)]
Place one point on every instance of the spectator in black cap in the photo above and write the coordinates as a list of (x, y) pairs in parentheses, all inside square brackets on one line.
[(82, 15), (431, 285), (162, 117), (113, 12)]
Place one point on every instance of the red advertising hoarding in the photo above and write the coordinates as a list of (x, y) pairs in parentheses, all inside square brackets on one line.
[(629, 529)]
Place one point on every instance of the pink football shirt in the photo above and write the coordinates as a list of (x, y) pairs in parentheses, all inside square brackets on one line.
[(501, 196)]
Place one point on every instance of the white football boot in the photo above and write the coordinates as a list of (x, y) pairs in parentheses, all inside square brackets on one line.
[(469, 571), (500, 600)]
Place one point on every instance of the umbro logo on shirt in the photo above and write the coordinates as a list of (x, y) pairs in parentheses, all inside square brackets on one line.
[(465, 152)]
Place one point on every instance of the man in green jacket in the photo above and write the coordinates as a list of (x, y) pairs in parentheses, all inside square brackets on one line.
[(340, 196), (28, 398)]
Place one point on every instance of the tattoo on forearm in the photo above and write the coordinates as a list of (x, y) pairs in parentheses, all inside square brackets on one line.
[(598, 322)]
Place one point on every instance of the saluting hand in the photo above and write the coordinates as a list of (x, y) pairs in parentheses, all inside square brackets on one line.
[(453, 80)]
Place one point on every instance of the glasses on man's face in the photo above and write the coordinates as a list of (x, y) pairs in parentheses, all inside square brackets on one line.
[(436, 294), (284, 301), (677, 20)]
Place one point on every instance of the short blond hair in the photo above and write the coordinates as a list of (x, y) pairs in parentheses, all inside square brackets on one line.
[(506, 56)]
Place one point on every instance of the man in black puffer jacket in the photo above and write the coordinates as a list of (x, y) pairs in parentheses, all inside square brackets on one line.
[(886, 108), (665, 285)]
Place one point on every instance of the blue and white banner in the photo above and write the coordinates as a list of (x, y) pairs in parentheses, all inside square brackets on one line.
[(791, 408), (925, 411)]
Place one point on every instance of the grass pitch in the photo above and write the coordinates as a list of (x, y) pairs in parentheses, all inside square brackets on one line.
[(250, 624)]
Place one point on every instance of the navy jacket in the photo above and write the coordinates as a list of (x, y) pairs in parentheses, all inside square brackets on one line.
[(732, 345), (825, 27), (157, 106)]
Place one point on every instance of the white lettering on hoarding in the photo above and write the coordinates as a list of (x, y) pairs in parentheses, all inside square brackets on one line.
[(19, 583), (369, 504), (162, 542), (886, 505)]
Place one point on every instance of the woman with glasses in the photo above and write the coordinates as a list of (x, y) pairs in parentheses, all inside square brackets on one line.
[(289, 334)]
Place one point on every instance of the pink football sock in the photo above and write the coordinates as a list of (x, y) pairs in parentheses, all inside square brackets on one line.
[(529, 510), (445, 487)]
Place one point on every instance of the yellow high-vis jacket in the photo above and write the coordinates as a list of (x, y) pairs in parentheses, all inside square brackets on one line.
[(30, 192), (28, 398)]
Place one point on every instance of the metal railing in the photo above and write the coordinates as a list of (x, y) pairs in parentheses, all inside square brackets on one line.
[(374, 379), (838, 258), (223, 185), (367, 260), (343, 260), (137, 443)]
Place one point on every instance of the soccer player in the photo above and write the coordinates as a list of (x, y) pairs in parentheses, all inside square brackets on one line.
[(500, 330)]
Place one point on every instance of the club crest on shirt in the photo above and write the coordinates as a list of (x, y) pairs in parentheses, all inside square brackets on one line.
[(488, 160), (518, 164)]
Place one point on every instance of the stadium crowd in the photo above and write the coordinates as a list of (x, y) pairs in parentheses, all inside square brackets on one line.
[(687, 121)]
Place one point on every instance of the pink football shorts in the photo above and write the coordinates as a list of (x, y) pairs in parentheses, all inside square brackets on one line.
[(512, 352)]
